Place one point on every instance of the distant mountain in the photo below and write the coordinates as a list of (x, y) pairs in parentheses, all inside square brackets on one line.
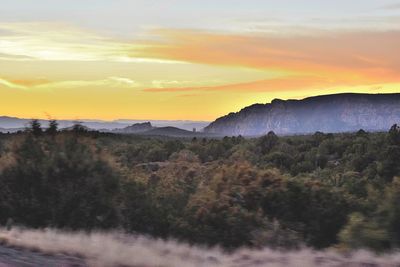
[(12, 122), (136, 128), (147, 129), (327, 113), (17, 123), (185, 124), (11, 125), (8, 124)]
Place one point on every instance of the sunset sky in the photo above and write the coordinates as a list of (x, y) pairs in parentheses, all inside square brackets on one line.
[(186, 59)]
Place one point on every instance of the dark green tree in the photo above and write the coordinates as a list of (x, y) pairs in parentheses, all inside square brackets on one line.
[(268, 142), (63, 185), (53, 127), (35, 127), (394, 135)]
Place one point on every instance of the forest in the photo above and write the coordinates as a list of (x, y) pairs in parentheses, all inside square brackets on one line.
[(321, 190)]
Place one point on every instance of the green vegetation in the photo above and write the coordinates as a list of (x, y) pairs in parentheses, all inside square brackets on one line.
[(320, 190)]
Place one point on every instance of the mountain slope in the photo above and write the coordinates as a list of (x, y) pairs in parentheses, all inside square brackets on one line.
[(327, 113)]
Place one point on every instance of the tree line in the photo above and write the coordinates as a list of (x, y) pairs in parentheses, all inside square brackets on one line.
[(319, 190)]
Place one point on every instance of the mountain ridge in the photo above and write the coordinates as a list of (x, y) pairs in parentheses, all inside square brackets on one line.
[(328, 113)]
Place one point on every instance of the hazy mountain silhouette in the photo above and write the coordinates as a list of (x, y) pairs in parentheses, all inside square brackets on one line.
[(12, 124), (136, 128), (148, 129)]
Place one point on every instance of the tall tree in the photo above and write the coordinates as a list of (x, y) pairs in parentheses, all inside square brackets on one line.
[(53, 127), (35, 127)]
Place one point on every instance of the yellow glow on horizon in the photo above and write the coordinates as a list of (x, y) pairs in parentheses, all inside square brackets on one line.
[(80, 103)]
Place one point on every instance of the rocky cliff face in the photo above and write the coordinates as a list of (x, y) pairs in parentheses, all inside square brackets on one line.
[(328, 113)]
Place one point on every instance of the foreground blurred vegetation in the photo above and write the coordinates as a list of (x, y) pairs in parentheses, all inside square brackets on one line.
[(319, 190)]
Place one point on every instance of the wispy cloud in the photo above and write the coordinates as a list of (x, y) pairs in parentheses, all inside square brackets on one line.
[(60, 42), (324, 59), (12, 85), (46, 84), (328, 59), (284, 84), (185, 83), (335, 53), (14, 57)]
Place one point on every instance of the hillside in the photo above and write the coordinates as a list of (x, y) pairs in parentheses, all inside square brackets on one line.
[(327, 113), (318, 191)]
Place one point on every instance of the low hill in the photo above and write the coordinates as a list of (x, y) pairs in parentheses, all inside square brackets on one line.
[(171, 131)]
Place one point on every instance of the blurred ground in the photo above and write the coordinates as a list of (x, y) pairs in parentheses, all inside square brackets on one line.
[(13, 257), (31, 248)]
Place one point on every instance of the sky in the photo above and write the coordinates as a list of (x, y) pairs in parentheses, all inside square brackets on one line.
[(189, 60)]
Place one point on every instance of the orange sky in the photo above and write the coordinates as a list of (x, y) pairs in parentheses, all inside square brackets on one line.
[(181, 70)]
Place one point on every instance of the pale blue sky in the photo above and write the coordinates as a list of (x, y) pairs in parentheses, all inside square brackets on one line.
[(130, 17)]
